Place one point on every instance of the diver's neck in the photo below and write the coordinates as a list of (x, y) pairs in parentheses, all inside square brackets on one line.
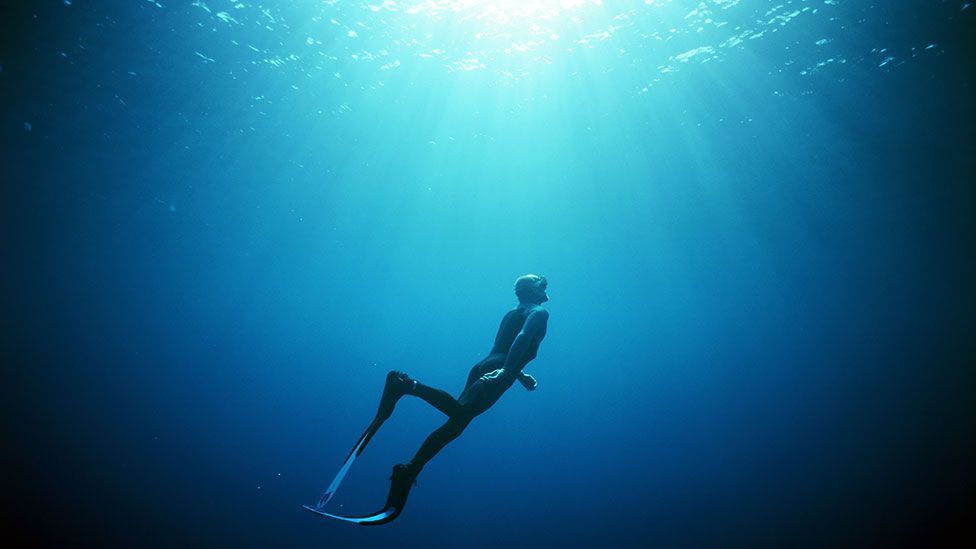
[(528, 305)]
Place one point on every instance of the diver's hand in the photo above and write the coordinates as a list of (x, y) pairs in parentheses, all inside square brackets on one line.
[(528, 382)]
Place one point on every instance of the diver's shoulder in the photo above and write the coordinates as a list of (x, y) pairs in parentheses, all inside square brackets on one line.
[(537, 310)]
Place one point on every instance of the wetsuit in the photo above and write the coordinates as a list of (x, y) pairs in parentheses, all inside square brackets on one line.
[(480, 391)]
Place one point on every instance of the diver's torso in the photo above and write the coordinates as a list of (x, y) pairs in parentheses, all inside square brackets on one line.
[(511, 325), (479, 394)]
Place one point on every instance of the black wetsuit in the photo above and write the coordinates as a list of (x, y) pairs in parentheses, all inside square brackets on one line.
[(479, 393)]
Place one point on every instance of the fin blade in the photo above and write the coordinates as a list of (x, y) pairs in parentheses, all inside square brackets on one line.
[(374, 519), (350, 459)]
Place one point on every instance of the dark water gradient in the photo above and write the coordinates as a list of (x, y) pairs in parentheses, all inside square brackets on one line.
[(762, 331)]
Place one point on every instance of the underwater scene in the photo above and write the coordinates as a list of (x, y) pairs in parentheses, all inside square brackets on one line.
[(749, 226)]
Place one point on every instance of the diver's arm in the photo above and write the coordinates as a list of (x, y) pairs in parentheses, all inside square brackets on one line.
[(532, 333), (527, 381)]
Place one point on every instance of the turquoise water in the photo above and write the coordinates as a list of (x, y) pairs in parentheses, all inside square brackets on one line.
[(226, 221)]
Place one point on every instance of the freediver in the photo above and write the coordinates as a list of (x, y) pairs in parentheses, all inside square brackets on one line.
[(517, 342)]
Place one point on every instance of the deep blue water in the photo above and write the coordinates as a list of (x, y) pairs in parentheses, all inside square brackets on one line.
[(225, 221)]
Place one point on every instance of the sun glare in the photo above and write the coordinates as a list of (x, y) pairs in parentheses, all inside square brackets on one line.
[(487, 29), (504, 12)]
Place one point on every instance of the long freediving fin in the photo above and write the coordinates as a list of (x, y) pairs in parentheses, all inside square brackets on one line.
[(375, 519), (402, 479), (357, 449), (392, 391)]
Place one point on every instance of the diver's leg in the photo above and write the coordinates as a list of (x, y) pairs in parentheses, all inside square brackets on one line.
[(437, 398), (437, 440), (399, 384), (472, 402), (404, 474)]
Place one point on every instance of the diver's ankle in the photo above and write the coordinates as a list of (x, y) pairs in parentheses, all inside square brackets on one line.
[(412, 468)]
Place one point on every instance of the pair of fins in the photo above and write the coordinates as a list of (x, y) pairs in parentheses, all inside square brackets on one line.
[(401, 480)]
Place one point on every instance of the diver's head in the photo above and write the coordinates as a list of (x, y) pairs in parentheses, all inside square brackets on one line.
[(531, 288)]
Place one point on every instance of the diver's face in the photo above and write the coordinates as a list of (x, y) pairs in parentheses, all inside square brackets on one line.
[(539, 290)]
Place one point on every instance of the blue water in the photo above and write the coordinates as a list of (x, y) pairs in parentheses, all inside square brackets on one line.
[(225, 221)]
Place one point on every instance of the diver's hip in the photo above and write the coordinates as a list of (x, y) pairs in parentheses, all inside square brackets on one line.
[(483, 393)]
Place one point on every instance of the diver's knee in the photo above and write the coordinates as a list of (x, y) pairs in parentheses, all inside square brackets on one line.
[(456, 425)]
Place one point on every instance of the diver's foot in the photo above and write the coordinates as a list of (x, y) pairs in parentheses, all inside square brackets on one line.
[(403, 478), (397, 385)]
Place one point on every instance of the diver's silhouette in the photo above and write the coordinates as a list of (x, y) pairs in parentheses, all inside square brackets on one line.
[(517, 342)]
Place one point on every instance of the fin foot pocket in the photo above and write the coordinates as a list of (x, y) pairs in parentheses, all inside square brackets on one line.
[(397, 385)]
